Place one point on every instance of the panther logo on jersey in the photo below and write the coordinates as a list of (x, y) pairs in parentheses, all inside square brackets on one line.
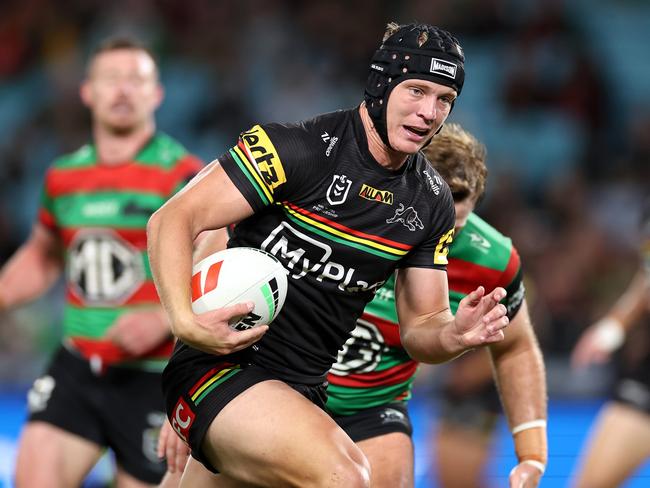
[(407, 216)]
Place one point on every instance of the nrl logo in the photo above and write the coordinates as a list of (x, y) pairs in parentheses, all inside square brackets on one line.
[(338, 189)]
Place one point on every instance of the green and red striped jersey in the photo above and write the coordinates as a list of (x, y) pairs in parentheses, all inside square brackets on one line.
[(372, 368), (100, 213)]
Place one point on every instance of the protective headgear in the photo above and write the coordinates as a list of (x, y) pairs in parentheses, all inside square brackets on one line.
[(400, 57)]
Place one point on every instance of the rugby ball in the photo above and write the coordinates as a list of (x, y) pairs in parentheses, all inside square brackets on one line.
[(236, 275)]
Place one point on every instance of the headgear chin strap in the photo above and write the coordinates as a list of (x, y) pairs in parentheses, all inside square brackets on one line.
[(439, 59)]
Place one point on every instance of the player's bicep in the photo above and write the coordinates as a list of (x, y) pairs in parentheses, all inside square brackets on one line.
[(209, 201), (420, 293)]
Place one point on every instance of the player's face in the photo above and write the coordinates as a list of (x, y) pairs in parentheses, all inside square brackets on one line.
[(463, 209), (122, 89), (416, 110)]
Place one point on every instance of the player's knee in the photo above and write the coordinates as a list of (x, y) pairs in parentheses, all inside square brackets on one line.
[(353, 473)]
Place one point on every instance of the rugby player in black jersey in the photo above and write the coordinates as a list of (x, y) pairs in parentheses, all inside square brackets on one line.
[(300, 192), (620, 442)]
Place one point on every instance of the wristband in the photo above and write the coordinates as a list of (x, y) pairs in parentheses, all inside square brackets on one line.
[(609, 334), (529, 425), (532, 462)]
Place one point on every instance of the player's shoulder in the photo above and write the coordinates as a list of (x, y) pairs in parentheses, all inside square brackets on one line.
[(163, 151), (429, 178), (83, 157), (316, 135), (482, 243), (480, 227)]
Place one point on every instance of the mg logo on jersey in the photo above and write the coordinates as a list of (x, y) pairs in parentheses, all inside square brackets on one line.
[(182, 419), (103, 268), (370, 193), (407, 216), (361, 353), (338, 189), (301, 254)]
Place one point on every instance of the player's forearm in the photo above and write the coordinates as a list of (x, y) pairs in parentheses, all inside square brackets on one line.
[(26, 276), (520, 375), (432, 340), (169, 238), (632, 304)]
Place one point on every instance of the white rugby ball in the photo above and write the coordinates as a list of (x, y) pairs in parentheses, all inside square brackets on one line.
[(236, 275)]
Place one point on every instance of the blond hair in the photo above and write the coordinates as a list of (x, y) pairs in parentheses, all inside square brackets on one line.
[(460, 159)]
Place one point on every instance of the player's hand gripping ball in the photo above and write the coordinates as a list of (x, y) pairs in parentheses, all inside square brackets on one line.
[(236, 275)]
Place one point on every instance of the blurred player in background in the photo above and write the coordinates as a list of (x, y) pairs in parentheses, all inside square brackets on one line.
[(102, 388), (370, 384), (620, 441), (251, 412)]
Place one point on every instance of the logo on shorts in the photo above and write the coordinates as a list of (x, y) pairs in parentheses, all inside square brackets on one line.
[(392, 415), (40, 393), (407, 216), (338, 189), (443, 68), (182, 419)]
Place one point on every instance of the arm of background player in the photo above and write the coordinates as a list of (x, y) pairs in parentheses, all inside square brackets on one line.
[(520, 376), (428, 330), (209, 201), (32, 270), (600, 340)]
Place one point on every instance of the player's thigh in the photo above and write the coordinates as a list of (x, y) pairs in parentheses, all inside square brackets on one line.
[(195, 474), (288, 440), (132, 415), (461, 455), (49, 457), (619, 444), (391, 460)]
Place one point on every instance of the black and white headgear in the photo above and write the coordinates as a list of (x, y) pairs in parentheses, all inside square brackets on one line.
[(400, 57)]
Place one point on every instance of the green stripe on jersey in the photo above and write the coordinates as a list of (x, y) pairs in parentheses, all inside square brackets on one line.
[(90, 322), (480, 243), (106, 209)]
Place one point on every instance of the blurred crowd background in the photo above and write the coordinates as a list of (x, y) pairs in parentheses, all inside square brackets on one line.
[(557, 90)]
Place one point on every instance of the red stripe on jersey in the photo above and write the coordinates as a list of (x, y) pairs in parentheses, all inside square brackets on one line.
[(389, 329), (136, 237), (511, 269), (390, 376), (464, 276), (125, 177), (146, 295), (46, 218), (348, 230), (110, 353), (207, 375)]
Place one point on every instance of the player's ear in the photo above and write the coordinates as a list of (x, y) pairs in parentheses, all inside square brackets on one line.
[(85, 93), (160, 94)]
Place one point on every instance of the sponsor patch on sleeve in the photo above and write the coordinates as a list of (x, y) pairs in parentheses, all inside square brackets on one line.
[(442, 248), (262, 154)]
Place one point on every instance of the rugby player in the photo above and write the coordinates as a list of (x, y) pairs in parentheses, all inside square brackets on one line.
[(102, 388), (620, 441), (248, 402), (370, 384)]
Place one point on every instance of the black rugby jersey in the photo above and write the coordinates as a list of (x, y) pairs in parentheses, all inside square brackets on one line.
[(339, 222)]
